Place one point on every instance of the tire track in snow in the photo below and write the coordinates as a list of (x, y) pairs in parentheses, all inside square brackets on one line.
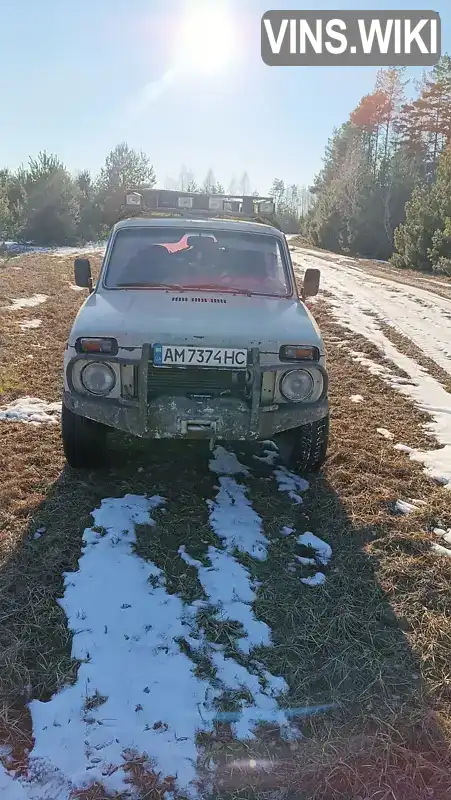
[(137, 692), (359, 304), (319, 552), (231, 591)]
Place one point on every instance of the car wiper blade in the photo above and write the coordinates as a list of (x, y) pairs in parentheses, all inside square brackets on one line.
[(187, 288), (150, 285), (214, 287)]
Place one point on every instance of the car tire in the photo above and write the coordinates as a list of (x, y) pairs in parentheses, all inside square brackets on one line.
[(309, 449), (84, 441)]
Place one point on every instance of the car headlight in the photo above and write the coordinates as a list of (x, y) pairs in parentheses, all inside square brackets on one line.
[(297, 385), (98, 378)]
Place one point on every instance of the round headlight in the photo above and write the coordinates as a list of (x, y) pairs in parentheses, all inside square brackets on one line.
[(297, 385), (98, 378)]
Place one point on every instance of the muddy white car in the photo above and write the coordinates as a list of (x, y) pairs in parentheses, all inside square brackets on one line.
[(195, 329)]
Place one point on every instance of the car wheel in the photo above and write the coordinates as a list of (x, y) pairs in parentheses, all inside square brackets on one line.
[(84, 441), (309, 446)]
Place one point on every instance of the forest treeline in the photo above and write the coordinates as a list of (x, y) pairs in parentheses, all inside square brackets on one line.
[(44, 204), (384, 190)]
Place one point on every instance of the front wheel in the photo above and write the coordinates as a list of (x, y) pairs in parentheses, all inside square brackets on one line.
[(84, 441), (304, 449), (310, 446)]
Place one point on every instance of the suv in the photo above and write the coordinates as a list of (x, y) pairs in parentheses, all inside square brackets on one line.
[(195, 329)]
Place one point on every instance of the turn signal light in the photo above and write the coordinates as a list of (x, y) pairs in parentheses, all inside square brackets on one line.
[(298, 352), (98, 345)]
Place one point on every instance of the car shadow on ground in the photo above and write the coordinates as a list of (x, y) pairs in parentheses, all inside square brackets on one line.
[(339, 643)]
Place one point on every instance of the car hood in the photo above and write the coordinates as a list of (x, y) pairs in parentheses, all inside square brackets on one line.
[(135, 317)]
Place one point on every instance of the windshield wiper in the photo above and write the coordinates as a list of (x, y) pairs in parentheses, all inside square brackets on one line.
[(216, 288), (190, 287), (148, 285)]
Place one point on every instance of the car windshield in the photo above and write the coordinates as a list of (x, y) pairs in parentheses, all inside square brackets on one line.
[(187, 258)]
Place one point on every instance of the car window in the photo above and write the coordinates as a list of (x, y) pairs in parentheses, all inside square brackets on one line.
[(193, 258)]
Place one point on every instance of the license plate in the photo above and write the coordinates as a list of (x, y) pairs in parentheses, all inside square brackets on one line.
[(180, 356)]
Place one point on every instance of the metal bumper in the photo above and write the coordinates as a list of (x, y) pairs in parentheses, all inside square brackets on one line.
[(169, 416), (173, 417)]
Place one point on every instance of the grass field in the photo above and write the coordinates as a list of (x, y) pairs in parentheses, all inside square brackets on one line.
[(373, 642)]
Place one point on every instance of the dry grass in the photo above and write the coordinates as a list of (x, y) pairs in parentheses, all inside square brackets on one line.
[(375, 639)]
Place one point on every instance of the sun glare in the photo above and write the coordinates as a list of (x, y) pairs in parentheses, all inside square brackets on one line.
[(205, 38)]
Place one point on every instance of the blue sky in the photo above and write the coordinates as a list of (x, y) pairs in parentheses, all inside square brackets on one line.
[(73, 75)]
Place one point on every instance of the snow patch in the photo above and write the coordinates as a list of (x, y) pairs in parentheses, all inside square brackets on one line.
[(356, 398), (269, 457), (15, 248), (26, 302), (445, 535), (404, 508), (323, 551), (136, 690), (440, 550), (30, 323), (226, 463), (385, 433), (229, 588), (32, 411), (362, 303), (10, 789), (228, 585), (291, 483), (315, 580), (234, 520)]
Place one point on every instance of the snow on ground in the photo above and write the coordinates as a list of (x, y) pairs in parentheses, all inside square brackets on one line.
[(10, 789), (329, 256), (137, 691), (31, 410), (385, 433), (356, 398), (417, 313), (14, 248), (362, 302), (28, 324), (231, 515), (26, 302), (404, 507), (291, 483), (323, 551), (445, 548)]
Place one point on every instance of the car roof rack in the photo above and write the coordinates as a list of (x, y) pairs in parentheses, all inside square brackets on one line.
[(145, 202)]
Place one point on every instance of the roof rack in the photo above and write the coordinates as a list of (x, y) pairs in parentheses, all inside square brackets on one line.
[(168, 203)]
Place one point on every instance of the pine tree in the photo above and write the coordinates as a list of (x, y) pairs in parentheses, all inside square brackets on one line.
[(124, 169), (389, 82)]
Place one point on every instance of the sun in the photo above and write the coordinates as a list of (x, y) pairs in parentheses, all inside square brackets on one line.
[(204, 38)]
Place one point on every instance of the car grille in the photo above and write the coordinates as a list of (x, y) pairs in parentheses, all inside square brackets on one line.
[(193, 381)]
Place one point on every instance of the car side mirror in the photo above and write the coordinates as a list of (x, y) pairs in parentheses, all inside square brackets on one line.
[(82, 272), (310, 286)]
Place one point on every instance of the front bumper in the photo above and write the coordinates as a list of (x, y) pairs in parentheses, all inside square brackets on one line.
[(171, 416)]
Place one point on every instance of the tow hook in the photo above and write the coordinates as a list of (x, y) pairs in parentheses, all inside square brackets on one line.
[(200, 429)]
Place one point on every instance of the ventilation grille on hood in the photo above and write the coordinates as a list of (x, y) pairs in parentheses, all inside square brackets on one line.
[(199, 300)]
